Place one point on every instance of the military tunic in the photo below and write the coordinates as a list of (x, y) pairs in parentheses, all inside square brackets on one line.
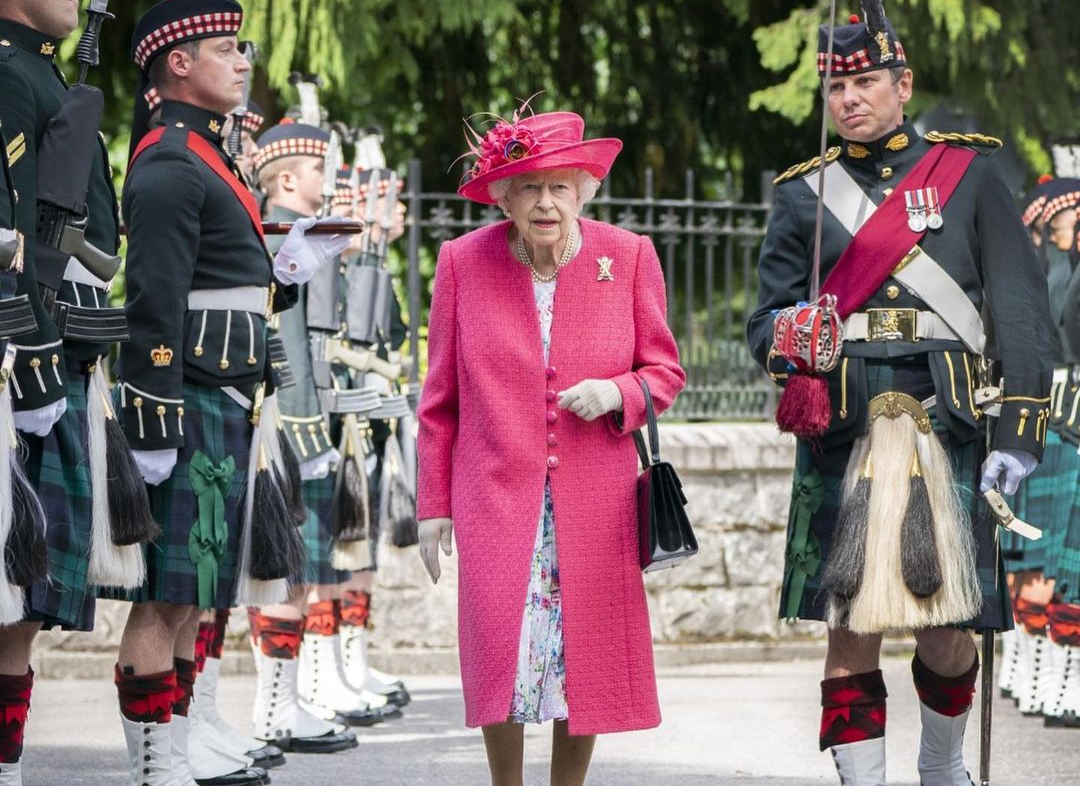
[(51, 363), (984, 248), (306, 425), (188, 375)]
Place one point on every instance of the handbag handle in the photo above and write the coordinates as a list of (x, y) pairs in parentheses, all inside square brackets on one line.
[(653, 450)]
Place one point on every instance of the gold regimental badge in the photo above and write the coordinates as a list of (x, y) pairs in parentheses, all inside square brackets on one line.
[(215, 126), (161, 357), (605, 273), (898, 143), (882, 39), (857, 151), (48, 48)]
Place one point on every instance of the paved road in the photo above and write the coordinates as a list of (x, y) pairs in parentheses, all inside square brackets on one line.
[(725, 725)]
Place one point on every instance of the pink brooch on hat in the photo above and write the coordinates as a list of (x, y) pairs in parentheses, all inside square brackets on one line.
[(551, 140)]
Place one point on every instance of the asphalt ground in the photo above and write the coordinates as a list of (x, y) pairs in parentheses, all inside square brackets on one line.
[(724, 724)]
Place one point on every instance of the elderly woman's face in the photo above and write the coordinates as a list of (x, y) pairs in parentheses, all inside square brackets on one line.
[(543, 205)]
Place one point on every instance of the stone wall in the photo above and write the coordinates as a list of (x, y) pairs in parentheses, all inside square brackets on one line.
[(737, 479)]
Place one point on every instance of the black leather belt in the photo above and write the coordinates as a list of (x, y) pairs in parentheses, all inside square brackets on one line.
[(93, 325), (16, 317), (280, 371)]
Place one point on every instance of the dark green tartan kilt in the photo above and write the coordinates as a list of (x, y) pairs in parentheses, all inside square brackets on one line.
[(1063, 536), (318, 533), (1044, 500), (219, 427), (58, 468), (830, 464)]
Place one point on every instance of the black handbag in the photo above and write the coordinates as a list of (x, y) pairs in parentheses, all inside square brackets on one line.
[(666, 538)]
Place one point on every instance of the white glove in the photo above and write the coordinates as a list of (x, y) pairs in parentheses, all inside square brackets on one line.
[(320, 466), (1005, 469), (591, 398), (433, 534), (155, 466), (40, 421), (302, 255)]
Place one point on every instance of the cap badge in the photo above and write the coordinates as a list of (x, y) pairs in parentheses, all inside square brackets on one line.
[(882, 39), (605, 273), (161, 357)]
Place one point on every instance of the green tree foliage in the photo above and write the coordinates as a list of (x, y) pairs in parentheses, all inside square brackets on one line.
[(1013, 63), (713, 85)]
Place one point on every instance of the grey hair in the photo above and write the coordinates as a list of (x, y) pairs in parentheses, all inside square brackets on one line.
[(587, 186)]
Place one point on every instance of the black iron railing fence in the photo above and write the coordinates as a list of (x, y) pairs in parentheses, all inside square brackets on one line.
[(709, 253)]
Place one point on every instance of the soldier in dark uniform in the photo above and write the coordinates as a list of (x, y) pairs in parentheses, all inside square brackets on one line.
[(391, 333), (193, 381), (290, 165), (55, 362), (936, 237)]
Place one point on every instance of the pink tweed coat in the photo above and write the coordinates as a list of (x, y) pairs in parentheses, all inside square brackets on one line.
[(491, 431)]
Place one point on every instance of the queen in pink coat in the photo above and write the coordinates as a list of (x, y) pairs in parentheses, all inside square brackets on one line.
[(542, 328)]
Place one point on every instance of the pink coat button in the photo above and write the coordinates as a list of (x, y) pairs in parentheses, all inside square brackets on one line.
[(552, 417), (553, 461), (552, 442), (549, 372), (551, 395)]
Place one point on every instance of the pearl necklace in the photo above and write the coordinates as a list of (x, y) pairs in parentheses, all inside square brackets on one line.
[(567, 254)]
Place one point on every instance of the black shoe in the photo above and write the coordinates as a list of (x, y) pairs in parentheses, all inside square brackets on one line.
[(252, 776), (267, 757), (324, 743), (399, 698), (363, 718)]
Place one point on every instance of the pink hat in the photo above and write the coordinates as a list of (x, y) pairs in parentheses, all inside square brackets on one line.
[(553, 140)]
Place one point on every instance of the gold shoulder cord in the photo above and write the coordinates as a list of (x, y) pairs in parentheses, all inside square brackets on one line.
[(807, 166), (981, 140)]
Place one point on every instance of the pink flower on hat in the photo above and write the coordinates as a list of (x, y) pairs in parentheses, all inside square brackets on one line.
[(503, 143)]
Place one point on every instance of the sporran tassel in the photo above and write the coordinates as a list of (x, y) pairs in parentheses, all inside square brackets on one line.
[(111, 565), (12, 594), (352, 499), (271, 549), (919, 563), (292, 483), (847, 557)]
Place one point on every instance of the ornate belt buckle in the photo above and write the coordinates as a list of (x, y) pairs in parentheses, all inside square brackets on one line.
[(892, 324)]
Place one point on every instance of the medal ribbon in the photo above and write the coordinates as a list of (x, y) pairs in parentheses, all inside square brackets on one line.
[(886, 237)]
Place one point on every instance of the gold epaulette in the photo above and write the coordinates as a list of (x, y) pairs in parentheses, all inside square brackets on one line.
[(982, 140), (831, 155)]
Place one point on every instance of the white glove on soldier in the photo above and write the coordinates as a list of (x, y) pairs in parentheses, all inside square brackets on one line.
[(433, 534), (302, 255), (155, 466), (40, 421), (320, 466), (591, 398), (1005, 469)]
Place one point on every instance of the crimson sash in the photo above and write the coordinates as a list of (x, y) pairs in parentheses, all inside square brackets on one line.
[(886, 238), (209, 156)]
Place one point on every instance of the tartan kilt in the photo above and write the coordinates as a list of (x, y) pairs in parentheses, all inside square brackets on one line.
[(219, 427), (1046, 501), (57, 466), (318, 534), (1063, 535), (831, 462)]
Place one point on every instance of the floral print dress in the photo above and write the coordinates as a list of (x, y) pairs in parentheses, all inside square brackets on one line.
[(540, 684)]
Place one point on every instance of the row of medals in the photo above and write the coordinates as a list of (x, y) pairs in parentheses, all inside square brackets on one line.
[(924, 209)]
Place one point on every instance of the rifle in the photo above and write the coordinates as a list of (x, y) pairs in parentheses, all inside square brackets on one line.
[(65, 157), (234, 144), (369, 157), (331, 164)]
